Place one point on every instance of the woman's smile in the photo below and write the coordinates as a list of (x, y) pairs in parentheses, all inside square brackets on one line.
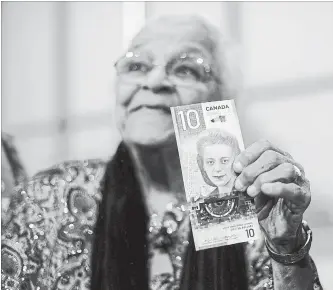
[(158, 108)]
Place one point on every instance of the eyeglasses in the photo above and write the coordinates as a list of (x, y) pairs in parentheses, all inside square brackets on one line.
[(184, 69)]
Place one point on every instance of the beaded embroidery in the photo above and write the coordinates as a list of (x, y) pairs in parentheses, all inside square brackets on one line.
[(48, 240)]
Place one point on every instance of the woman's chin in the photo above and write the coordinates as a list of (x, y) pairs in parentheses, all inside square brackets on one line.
[(148, 131), (222, 184), (149, 140)]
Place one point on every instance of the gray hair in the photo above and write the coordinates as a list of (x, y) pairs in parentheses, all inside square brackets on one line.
[(211, 37)]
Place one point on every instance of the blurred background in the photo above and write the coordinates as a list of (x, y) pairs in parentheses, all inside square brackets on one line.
[(57, 83)]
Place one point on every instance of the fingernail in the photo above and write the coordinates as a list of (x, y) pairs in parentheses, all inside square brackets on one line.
[(238, 167), (238, 185), (267, 188), (251, 190)]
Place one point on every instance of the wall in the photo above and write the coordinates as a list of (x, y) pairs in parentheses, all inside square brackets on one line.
[(57, 74)]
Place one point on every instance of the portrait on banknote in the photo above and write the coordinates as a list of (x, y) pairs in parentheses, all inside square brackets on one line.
[(209, 138), (216, 151)]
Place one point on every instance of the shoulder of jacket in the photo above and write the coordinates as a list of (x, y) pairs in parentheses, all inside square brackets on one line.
[(57, 206), (70, 170), (52, 186)]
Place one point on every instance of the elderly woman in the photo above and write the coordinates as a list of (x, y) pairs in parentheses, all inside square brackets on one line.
[(120, 225)]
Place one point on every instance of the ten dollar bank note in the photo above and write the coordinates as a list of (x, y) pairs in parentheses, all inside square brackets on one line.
[(209, 138)]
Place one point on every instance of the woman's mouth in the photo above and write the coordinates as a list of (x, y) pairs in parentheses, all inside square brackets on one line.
[(219, 177), (161, 108)]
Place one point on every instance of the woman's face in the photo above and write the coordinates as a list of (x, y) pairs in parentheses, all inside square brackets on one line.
[(217, 161), (163, 69)]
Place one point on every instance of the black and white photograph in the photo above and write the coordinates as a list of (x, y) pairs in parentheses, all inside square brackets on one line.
[(153, 145)]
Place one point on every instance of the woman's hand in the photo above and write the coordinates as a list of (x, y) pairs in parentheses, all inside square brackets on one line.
[(281, 192)]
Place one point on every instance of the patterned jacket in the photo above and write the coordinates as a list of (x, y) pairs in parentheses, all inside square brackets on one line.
[(48, 240)]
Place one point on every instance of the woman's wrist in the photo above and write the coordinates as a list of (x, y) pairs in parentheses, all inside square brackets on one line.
[(290, 244), (293, 251)]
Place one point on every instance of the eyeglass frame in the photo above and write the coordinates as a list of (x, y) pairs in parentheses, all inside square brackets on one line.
[(184, 55)]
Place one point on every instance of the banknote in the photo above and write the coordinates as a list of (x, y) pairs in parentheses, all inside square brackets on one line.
[(209, 138)]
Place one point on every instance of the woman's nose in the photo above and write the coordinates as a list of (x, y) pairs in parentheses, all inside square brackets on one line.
[(157, 80), (218, 168)]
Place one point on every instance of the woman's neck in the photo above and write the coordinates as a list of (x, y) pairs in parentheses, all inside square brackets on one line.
[(159, 170)]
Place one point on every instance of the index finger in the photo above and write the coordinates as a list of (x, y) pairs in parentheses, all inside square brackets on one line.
[(252, 153)]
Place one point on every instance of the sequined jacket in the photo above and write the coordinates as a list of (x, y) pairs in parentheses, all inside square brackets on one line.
[(47, 243)]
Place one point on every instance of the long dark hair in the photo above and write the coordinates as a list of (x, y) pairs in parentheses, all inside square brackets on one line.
[(120, 252)]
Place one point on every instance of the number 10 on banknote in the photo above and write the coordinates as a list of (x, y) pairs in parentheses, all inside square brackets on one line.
[(209, 138)]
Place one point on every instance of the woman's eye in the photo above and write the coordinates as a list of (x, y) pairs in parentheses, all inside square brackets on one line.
[(210, 162), (187, 72), (225, 161), (137, 67)]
